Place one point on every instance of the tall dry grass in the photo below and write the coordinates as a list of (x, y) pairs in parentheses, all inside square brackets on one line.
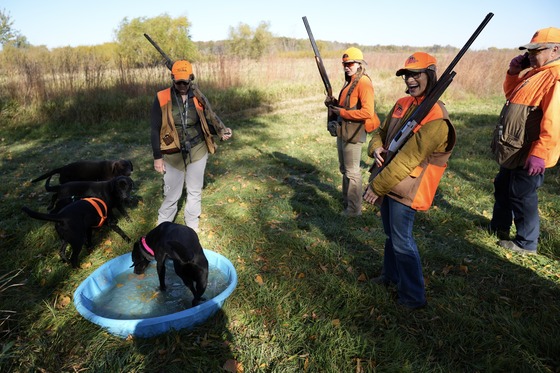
[(479, 73)]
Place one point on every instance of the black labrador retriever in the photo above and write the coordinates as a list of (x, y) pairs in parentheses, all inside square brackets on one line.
[(74, 224), (90, 171), (180, 244), (115, 191)]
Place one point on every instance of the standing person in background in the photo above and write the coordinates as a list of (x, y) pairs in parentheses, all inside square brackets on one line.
[(182, 129), (408, 183), (356, 117), (526, 140)]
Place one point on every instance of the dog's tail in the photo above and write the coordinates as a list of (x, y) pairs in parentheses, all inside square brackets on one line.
[(41, 216), (48, 174), (49, 187)]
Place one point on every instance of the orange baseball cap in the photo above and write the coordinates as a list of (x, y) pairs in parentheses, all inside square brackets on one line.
[(550, 35), (418, 62), (181, 70)]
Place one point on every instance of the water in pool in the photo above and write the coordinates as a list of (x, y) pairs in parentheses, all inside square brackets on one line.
[(138, 296)]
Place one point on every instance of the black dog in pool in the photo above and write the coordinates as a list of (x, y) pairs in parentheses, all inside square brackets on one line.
[(180, 244)]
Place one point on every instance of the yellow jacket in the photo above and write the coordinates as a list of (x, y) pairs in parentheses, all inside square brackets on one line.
[(412, 177)]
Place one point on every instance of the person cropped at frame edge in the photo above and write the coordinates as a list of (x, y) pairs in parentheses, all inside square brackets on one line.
[(529, 123)]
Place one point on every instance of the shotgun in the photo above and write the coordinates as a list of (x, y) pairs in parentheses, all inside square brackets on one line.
[(424, 108), (168, 61), (331, 118)]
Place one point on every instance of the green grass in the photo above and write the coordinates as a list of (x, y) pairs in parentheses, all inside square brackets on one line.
[(271, 204)]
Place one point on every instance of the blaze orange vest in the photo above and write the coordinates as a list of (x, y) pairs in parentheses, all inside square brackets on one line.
[(169, 138), (418, 189)]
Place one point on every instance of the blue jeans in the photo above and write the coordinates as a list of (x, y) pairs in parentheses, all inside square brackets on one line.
[(401, 263), (515, 195)]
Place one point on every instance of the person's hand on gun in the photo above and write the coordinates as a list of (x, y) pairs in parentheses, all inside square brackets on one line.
[(331, 101), (226, 135), (378, 156), (335, 110)]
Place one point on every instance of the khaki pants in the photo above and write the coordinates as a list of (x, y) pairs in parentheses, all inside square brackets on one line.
[(174, 179), (349, 157)]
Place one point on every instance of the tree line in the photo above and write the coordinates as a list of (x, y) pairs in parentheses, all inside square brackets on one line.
[(131, 49)]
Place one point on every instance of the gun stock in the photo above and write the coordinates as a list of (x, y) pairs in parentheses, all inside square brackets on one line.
[(424, 108), (168, 61)]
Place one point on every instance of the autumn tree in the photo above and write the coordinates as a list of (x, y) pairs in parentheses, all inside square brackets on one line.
[(171, 34), (8, 35), (246, 42)]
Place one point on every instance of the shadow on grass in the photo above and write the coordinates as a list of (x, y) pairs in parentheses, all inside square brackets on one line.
[(470, 285), (489, 311)]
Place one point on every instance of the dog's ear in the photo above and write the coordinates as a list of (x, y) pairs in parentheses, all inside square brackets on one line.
[(135, 250), (115, 168)]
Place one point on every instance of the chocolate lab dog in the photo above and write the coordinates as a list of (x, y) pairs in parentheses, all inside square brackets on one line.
[(116, 191), (74, 225), (180, 244), (90, 171)]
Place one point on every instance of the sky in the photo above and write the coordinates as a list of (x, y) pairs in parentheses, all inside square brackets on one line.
[(60, 23)]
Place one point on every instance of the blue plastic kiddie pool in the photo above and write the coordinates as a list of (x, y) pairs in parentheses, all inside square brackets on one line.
[(124, 322)]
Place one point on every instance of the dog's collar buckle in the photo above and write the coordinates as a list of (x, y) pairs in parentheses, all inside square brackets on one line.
[(146, 247)]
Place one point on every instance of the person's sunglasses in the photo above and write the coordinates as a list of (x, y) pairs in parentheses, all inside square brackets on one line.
[(182, 82), (412, 75), (536, 51)]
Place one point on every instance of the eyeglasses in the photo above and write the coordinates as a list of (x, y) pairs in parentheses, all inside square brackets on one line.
[(183, 82), (348, 64), (534, 52), (412, 75)]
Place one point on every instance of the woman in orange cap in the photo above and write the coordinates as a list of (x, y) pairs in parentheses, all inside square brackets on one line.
[(408, 183), (181, 139), (356, 117)]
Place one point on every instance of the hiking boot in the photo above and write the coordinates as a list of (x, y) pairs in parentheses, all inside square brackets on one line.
[(380, 280), (510, 245), (502, 234), (347, 214), (412, 308)]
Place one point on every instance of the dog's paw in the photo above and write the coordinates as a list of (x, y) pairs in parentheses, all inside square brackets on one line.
[(196, 302)]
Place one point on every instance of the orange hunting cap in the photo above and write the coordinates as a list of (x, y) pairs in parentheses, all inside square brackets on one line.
[(550, 35), (418, 62), (182, 70)]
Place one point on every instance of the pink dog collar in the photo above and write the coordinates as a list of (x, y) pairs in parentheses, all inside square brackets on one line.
[(146, 247)]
